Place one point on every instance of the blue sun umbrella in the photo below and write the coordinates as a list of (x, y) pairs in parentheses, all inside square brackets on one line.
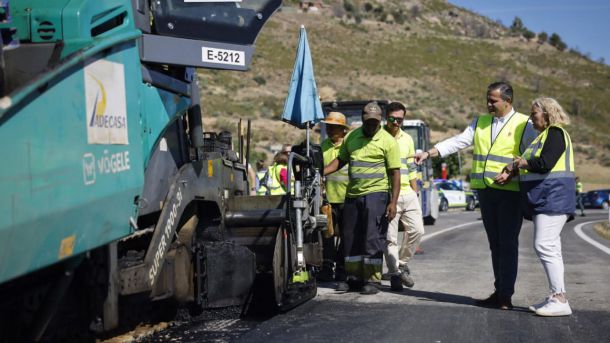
[(303, 104)]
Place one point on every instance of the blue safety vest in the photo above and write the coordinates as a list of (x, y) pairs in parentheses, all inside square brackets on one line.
[(553, 192)]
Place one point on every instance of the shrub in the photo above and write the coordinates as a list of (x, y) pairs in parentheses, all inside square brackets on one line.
[(399, 16), (556, 41), (517, 26), (527, 34), (349, 6), (543, 37), (260, 80), (414, 12)]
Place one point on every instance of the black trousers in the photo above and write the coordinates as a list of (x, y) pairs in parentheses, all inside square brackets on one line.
[(364, 231), (502, 218)]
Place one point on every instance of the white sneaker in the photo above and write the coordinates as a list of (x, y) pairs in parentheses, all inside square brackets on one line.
[(554, 308), (534, 307)]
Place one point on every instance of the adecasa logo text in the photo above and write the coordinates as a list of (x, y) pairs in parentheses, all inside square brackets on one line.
[(98, 116)]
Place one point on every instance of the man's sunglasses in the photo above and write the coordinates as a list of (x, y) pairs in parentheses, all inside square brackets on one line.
[(395, 120)]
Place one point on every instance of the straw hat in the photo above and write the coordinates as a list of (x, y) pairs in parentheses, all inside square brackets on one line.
[(336, 118)]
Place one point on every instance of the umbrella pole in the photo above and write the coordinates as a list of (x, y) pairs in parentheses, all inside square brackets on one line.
[(307, 138)]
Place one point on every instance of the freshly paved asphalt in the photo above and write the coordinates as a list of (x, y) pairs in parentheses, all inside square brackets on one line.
[(454, 270)]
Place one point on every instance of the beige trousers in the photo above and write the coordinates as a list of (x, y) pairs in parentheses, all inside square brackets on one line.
[(408, 214)]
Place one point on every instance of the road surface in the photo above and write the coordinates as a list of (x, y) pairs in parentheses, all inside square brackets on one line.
[(454, 270)]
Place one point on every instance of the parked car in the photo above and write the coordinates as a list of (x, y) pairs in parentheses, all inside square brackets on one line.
[(597, 199), (452, 196)]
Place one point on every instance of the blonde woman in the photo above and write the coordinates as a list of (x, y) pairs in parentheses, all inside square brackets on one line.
[(546, 178)]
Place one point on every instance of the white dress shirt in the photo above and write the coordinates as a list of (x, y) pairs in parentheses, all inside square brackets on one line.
[(466, 138)]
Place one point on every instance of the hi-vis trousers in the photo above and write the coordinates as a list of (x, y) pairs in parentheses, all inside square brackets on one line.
[(364, 233)]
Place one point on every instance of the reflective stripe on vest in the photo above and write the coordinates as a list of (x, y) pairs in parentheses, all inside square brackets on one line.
[(339, 176), (564, 168), (366, 170), (408, 169), (489, 158), (494, 158)]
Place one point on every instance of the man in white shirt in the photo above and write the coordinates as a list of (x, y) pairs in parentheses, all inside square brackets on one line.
[(497, 138)]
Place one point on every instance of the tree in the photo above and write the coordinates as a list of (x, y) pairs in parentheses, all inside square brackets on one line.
[(556, 41), (517, 25), (527, 34), (348, 6), (543, 37)]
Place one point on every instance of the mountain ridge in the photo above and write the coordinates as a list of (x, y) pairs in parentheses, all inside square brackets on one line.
[(437, 59)]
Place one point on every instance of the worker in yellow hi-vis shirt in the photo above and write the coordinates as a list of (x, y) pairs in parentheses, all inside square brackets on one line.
[(374, 164), (408, 209), (336, 185)]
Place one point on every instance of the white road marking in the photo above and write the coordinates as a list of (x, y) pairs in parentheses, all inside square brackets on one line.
[(581, 234), (428, 236)]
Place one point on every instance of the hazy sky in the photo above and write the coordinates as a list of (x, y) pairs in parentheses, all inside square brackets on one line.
[(582, 24)]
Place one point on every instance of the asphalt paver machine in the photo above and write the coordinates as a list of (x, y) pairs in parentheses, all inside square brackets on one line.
[(110, 188)]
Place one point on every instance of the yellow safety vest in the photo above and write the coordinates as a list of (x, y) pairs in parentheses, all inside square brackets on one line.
[(369, 158), (564, 168), (262, 188), (408, 168), (552, 192), (489, 158), (276, 187), (336, 183)]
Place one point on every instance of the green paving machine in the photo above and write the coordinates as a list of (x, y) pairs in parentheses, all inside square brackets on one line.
[(111, 189)]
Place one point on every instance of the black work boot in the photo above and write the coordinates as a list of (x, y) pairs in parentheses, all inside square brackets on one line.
[(396, 282), (326, 274), (354, 284), (370, 288), (342, 286)]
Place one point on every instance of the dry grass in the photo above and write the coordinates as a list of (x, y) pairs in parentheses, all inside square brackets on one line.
[(425, 63)]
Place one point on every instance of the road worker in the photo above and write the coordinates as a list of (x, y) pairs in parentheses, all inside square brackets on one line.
[(373, 157), (497, 138), (278, 174), (408, 211), (336, 184), (261, 171)]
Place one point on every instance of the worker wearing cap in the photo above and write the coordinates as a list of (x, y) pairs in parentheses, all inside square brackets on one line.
[(373, 157), (409, 213), (336, 185)]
